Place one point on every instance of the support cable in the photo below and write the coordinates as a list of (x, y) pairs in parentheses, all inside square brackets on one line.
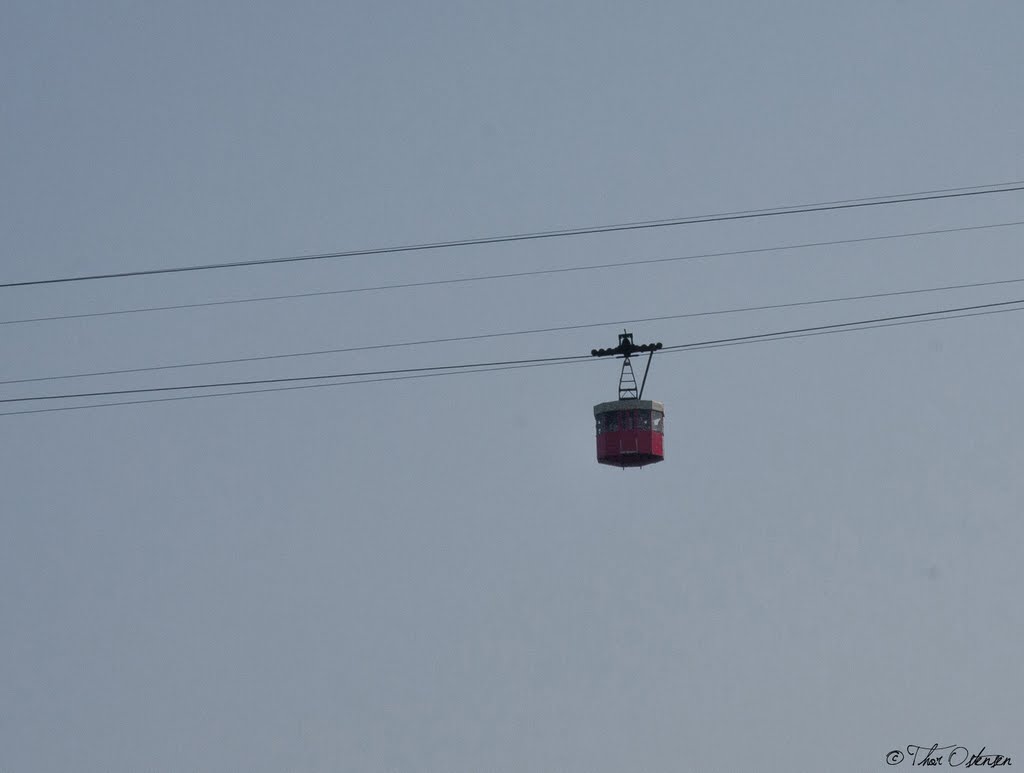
[(460, 367), (531, 331), (825, 206), (767, 337)]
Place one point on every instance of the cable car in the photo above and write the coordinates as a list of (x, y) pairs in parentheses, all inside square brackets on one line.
[(630, 430)]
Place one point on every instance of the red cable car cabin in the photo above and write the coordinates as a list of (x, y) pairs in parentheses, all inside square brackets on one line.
[(630, 433), (630, 430)]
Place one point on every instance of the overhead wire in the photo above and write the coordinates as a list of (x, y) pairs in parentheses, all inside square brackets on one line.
[(533, 331), (276, 389), (842, 204), (812, 334), (767, 337), (289, 379), (511, 275), (840, 325), (536, 360)]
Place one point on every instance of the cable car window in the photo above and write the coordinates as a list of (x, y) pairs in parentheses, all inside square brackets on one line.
[(600, 424), (643, 420), (626, 419), (612, 422), (659, 421)]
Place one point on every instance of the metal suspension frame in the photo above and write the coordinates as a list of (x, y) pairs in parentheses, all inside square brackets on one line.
[(627, 382), (627, 386)]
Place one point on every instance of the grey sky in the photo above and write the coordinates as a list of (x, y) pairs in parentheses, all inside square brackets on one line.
[(436, 575)]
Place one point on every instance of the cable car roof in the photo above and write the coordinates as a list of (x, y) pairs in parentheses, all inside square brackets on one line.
[(629, 405)]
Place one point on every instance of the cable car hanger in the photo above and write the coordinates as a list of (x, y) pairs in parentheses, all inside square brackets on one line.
[(626, 348)]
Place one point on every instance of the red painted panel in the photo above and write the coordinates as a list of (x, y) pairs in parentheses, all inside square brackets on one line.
[(630, 448)]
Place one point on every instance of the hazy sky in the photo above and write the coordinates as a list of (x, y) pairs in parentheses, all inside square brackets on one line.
[(435, 574)]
